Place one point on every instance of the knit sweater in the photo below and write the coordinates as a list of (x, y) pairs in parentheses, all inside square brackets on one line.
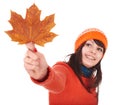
[(65, 88)]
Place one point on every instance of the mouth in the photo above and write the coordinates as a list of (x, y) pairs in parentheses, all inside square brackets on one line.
[(89, 57)]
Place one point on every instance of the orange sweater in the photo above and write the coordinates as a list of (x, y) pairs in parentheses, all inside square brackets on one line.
[(65, 88)]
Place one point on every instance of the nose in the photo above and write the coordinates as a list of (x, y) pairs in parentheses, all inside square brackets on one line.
[(93, 50)]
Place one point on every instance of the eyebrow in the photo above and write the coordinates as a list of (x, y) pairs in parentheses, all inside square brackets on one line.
[(90, 41)]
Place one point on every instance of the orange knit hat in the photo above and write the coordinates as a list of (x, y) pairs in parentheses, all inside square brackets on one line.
[(91, 33)]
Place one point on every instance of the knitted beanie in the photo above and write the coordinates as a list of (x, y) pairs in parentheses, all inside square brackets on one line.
[(91, 33)]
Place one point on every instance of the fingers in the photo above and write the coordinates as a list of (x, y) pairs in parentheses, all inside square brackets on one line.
[(32, 55), (28, 60), (29, 66), (32, 70), (31, 46), (31, 60)]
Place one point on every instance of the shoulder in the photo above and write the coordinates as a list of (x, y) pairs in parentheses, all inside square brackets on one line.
[(62, 64)]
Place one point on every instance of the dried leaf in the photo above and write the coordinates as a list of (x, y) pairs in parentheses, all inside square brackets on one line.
[(31, 29)]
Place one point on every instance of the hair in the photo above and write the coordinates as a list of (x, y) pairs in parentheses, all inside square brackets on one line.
[(75, 61)]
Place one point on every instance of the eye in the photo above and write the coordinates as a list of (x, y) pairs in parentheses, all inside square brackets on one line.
[(88, 44), (100, 49)]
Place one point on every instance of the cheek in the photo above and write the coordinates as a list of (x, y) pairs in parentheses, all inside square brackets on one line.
[(84, 50), (99, 56)]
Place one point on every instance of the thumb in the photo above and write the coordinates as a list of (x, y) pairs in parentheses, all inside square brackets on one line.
[(31, 46)]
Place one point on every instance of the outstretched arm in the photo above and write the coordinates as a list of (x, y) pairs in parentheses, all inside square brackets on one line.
[(52, 78)]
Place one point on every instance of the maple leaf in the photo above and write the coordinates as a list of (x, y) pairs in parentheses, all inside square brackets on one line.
[(31, 29)]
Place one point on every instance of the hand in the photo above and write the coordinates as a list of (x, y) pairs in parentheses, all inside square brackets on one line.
[(35, 62)]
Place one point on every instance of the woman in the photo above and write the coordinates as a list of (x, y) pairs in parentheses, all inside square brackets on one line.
[(72, 82)]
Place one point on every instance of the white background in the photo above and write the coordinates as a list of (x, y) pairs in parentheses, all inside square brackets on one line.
[(71, 18)]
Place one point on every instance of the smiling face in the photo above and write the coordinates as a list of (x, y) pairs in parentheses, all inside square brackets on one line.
[(91, 54)]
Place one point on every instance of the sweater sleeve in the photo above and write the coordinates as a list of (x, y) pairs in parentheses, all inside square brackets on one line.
[(56, 79)]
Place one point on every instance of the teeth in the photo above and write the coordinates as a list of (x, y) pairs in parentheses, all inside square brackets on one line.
[(90, 57)]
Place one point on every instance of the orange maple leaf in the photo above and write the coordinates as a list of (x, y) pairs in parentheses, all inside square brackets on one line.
[(31, 29)]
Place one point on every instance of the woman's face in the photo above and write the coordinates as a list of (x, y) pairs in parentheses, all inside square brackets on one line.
[(91, 54)]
